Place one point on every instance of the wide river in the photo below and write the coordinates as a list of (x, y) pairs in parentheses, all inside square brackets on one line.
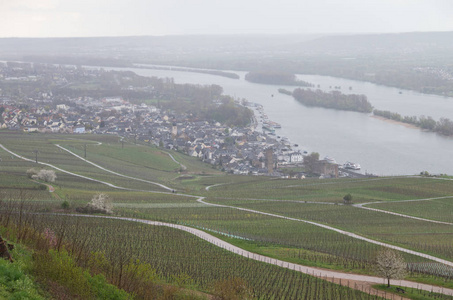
[(380, 147)]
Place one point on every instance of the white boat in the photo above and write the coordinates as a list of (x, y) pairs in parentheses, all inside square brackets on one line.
[(351, 165), (273, 124), (330, 160)]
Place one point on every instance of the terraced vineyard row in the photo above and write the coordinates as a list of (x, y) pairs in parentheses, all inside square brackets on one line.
[(171, 253)]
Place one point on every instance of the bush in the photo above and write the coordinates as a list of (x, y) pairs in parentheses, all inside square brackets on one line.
[(103, 290), (46, 175), (60, 267), (100, 203), (15, 283), (232, 289), (32, 172), (347, 199), (65, 204)]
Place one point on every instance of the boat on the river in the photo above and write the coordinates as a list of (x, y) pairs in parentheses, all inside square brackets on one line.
[(351, 166), (272, 124), (330, 160), (268, 128)]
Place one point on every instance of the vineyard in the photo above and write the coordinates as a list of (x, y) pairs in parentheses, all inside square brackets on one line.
[(172, 253), (436, 209), (175, 256)]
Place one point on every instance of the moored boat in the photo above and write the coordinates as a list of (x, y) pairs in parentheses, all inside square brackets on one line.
[(330, 160), (351, 165)]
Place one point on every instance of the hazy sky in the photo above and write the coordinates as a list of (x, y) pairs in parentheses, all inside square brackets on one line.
[(51, 18)]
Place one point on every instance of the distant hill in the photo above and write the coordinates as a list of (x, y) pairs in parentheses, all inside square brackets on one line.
[(378, 43), (226, 47), (143, 45)]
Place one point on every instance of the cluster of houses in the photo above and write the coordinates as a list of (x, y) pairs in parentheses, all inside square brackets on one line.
[(235, 150), (435, 71)]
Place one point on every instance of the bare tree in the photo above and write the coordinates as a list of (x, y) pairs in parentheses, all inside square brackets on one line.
[(390, 265)]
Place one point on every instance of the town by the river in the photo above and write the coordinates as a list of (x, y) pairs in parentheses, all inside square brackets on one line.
[(380, 147)]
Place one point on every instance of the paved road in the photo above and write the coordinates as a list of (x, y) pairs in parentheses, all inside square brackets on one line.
[(362, 205), (180, 164), (347, 233), (201, 200), (112, 172), (327, 274), (322, 273), (77, 175)]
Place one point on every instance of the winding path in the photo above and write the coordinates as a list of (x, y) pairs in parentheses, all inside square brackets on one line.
[(201, 200), (180, 164), (112, 172), (321, 273), (325, 274), (347, 233), (362, 205), (82, 176)]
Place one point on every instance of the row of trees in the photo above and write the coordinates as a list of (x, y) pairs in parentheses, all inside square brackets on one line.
[(211, 72), (334, 99), (443, 126)]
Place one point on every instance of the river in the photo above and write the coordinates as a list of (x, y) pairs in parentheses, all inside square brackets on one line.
[(380, 147)]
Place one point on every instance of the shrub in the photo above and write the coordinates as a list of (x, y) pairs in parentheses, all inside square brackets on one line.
[(46, 175), (232, 289), (15, 283), (65, 205), (60, 267), (347, 199), (103, 290), (140, 278), (100, 203), (41, 187), (31, 172)]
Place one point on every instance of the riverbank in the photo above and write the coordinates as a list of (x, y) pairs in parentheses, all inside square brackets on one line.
[(395, 122), (380, 147)]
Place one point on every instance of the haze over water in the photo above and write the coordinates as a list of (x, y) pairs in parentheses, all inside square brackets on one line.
[(381, 147)]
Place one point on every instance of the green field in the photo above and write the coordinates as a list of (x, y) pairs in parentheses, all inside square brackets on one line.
[(309, 199), (436, 209)]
